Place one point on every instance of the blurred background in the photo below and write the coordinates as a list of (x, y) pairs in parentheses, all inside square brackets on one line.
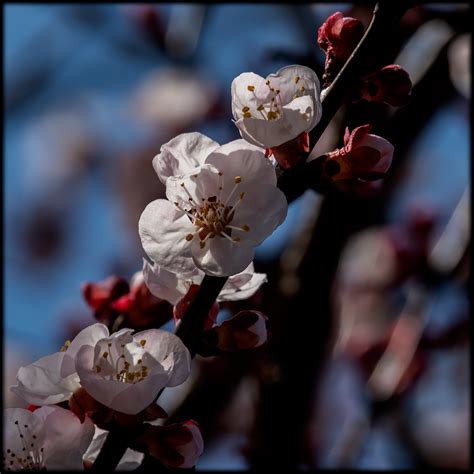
[(368, 365)]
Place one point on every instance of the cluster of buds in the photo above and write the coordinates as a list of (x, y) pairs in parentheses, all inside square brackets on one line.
[(338, 37), (118, 304)]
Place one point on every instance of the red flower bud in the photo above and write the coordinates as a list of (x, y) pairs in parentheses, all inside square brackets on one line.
[(339, 35), (390, 84), (100, 296), (289, 154), (178, 445), (246, 330), (363, 156)]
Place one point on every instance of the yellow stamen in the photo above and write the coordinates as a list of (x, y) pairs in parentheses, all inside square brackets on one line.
[(251, 88), (65, 346)]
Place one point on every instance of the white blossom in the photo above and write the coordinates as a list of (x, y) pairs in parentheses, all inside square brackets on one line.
[(125, 372), (122, 371), (215, 215), (274, 110), (173, 287), (52, 379), (50, 438)]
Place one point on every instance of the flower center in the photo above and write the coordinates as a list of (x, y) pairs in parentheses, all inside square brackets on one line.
[(30, 458), (268, 110), (271, 110), (213, 216), (123, 368)]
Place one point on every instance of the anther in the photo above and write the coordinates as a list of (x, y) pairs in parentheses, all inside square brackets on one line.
[(247, 115), (245, 109), (251, 88), (260, 107), (297, 78), (237, 179), (242, 195), (245, 227), (143, 342), (189, 237), (105, 355)]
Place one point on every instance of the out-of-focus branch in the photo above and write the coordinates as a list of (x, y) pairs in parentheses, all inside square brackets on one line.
[(299, 355)]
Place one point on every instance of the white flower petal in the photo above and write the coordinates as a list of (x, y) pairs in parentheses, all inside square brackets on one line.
[(163, 283), (138, 396), (272, 133), (220, 257), (237, 281), (88, 336), (232, 292), (129, 398), (41, 383), (239, 158), (285, 80), (137, 279), (162, 230), (267, 209), (384, 147), (243, 97), (182, 154), (169, 351), (66, 438), (12, 442)]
